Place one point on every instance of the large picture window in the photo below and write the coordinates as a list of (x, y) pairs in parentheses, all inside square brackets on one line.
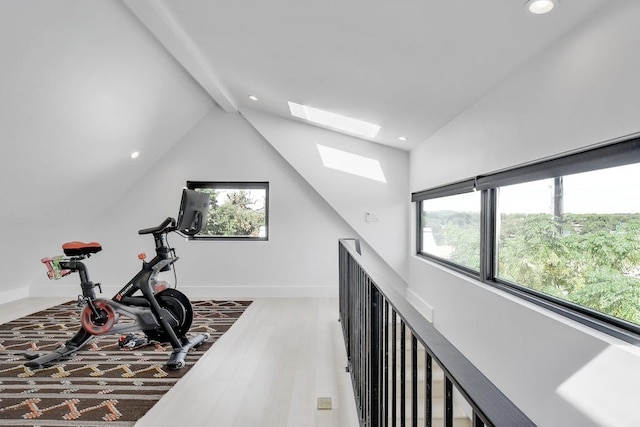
[(576, 238), (563, 232), (237, 210)]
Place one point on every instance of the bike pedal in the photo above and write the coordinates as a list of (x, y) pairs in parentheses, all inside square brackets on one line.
[(132, 342), (30, 355)]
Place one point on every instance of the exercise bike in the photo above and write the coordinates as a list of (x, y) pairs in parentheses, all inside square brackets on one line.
[(144, 304)]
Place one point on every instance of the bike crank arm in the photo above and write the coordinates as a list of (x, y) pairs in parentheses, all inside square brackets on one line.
[(105, 322)]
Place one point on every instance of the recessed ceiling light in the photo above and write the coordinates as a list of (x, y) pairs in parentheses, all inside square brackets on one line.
[(334, 121), (135, 155), (403, 138), (540, 7), (253, 97)]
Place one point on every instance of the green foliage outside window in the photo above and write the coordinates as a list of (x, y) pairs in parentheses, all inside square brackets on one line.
[(233, 213), (589, 259), (458, 230)]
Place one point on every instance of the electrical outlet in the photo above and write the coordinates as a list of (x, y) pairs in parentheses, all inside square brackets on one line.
[(372, 217), (324, 403)]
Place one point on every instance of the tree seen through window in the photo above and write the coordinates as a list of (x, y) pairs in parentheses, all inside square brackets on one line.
[(236, 210)]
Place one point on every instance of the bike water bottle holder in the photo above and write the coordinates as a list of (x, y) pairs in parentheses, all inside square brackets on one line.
[(54, 271)]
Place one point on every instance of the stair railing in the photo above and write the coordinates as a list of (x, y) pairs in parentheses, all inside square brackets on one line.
[(404, 372)]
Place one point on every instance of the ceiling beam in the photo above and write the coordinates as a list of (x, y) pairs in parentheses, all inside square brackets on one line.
[(162, 24)]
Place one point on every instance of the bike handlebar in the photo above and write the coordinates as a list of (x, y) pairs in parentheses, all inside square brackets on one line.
[(166, 226)]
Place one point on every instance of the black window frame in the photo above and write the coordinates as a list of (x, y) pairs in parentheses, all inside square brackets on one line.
[(233, 185), (616, 152), (454, 189)]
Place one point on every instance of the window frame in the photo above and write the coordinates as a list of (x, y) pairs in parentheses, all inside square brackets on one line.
[(617, 152), (461, 187), (234, 185)]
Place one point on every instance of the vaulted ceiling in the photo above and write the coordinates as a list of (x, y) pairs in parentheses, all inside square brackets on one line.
[(84, 84), (410, 66)]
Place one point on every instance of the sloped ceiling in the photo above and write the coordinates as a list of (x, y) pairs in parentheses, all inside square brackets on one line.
[(82, 85), (410, 66)]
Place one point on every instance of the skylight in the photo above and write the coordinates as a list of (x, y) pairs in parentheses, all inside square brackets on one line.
[(334, 121), (353, 164)]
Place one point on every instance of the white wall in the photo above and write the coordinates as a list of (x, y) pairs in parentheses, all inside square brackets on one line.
[(77, 97), (82, 85), (300, 258), (350, 195), (582, 91)]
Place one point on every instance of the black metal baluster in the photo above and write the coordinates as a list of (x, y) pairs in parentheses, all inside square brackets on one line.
[(358, 349), (403, 375), (394, 379), (366, 337), (414, 380), (376, 356), (386, 364), (355, 316), (448, 402), (428, 387)]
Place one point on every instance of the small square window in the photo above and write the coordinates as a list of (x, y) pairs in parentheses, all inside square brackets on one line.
[(237, 210)]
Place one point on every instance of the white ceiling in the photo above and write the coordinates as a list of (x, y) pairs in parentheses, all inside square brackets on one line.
[(410, 66)]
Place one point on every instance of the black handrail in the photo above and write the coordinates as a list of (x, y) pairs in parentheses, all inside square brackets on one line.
[(371, 309)]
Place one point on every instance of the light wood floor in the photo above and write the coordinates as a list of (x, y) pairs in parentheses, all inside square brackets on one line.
[(269, 369)]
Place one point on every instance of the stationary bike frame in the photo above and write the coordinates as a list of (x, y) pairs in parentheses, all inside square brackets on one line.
[(100, 316)]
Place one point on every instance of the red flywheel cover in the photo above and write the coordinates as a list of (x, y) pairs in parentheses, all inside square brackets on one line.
[(97, 326)]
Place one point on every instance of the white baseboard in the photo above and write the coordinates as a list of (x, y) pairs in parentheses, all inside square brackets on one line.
[(14, 294), (231, 292), (194, 292), (54, 289), (421, 305)]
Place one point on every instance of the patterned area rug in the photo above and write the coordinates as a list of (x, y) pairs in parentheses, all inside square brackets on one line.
[(102, 385)]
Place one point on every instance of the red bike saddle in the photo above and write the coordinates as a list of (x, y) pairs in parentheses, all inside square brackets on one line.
[(81, 248)]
